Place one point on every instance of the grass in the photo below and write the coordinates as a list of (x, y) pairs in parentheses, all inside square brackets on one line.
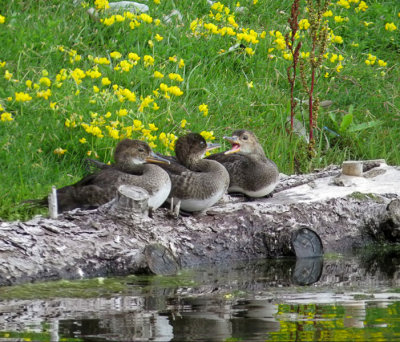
[(241, 89)]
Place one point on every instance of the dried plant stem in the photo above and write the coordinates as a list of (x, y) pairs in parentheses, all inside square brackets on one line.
[(290, 43)]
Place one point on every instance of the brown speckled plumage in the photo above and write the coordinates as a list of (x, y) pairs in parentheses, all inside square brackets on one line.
[(194, 179), (250, 171), (130, 168)]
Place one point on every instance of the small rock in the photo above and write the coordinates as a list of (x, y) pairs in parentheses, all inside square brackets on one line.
[(137, 7), (175, 13)]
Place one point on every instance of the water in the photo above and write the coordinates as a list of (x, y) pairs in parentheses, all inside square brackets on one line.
[(341, 298)]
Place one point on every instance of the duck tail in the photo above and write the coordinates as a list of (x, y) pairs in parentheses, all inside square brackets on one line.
[(35, 203)]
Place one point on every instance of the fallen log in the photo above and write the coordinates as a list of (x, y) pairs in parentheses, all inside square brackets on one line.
[(323, 211)]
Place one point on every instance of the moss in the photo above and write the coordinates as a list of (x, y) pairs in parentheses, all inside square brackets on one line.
[(365, 196)]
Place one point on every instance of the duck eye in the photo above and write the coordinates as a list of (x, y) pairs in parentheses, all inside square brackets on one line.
[(245, 137), (141, 149)]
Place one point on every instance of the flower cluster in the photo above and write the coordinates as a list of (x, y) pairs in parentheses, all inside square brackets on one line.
[(222, 22), (371, 60), (5, 116)]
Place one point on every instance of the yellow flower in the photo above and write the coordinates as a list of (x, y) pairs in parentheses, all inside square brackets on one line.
[(134, 57), (126, 66), (175, 77), (339, 67), (148, 60), (101, 4), (250, 85), (157, 2), (249, 51), (133, 24), (45, 81), (119, 18), (163, 87), (361, 7), (327, 14), (59, 151), (6, 117), (157, 22), (146, 18), (108, 21), (122, 112), (83, 140), (305, 54), (158, 37), (204, 109), (105, 81), (207, 135), (288, 56), (390, 27), (155, 106), (326, 75), (338, 39), (22, 97), (174, 90), (2, 19), (53, 105), (2, 64), (339, 19), (112, 132), (7, 75), (344, 3), (151, 43), (145, 102), (153, 127), (78, 75), (115, 55), (96, 89), (158, 74), (173, 59), (304, 24), (101, 60), (183, 123), (382, 63), (44, 94)]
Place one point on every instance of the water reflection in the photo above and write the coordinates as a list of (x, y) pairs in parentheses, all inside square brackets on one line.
[(345, 298)]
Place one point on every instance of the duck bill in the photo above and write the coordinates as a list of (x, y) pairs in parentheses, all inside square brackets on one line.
[(212, 146), (155, 158), (234, 141)]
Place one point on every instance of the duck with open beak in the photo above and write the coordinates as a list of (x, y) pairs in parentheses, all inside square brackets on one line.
[(250, 171)]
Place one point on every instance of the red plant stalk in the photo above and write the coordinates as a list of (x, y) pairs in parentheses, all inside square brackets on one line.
[(310, 103), (294, 25)]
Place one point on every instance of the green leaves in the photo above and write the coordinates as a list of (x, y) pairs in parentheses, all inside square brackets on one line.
[(348, 126)]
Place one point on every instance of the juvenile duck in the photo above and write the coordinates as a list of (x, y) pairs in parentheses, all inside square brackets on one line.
[(131, 168), (197, 183), (250, 171)]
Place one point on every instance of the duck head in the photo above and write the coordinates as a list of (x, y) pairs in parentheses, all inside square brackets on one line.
[(244, 142), (192, 147), (132, 154)]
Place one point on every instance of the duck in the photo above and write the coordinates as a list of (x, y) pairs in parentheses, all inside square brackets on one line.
[(132, 166), (197, 183), (250, 172)]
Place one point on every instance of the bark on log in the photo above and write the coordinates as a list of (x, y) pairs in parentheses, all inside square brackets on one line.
[(107, 241)]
